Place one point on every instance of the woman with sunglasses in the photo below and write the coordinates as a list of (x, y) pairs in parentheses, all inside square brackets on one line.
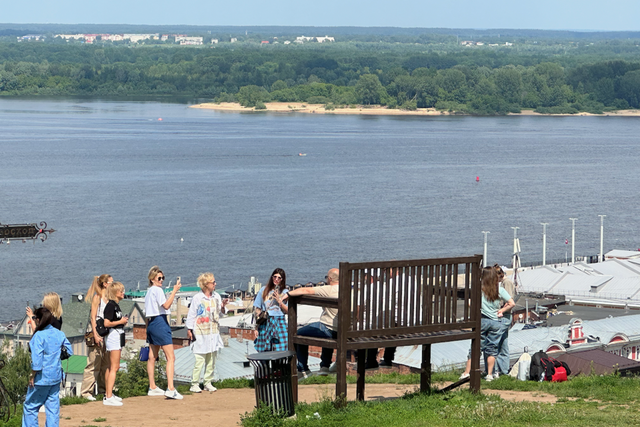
[(203, 330), (46, 371), (157, 306), (272, 335)]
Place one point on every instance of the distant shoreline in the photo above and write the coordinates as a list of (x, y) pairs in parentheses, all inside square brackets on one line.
[(376, 110)]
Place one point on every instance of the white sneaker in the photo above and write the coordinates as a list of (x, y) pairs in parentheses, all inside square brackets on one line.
[(195, 389), (172, 394), (118, 398), (496, 375), (464, 376), (209, 387), (489, 378), (155, 392), (89, 397), (111, 401)]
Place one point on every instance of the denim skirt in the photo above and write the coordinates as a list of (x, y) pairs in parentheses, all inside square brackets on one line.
[(159, 331)]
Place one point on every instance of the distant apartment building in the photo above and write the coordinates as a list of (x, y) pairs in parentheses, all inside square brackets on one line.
[(233, 40), (325, 39), (164, 37), (214, 41), (135, 38), (31, 37), (70, 36), (303, 39), (186, 40)]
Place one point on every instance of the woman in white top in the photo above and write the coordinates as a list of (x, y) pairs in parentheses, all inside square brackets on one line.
[(156, 309), (204, 331), (97, 360)]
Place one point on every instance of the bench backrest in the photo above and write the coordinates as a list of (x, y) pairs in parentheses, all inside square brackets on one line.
[(414, 296)]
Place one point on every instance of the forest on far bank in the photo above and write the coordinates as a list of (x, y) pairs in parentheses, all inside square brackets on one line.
[(484, 81)]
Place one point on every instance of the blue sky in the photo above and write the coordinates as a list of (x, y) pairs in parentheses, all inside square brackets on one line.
[(620, 15)]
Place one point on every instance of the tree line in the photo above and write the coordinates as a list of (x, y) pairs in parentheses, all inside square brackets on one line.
[(469, 81)]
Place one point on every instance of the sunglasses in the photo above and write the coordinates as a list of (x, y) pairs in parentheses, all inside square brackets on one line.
[(160, 279), (277, 277)]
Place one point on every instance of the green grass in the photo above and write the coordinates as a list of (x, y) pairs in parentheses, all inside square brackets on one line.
[(583, 401)]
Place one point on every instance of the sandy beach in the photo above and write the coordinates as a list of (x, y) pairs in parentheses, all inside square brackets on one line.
[(374, 110)]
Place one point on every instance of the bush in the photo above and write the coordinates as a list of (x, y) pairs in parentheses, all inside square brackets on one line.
[(15, 374)]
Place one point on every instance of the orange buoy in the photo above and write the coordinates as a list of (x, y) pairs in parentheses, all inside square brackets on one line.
[(160, 119)]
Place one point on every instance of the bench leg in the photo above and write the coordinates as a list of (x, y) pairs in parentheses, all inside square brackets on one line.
[(425, 369), (361, 374), (341, 380)]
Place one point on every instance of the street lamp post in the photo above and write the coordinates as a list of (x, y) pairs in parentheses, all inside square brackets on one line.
[(516, 247), (544, 242), (484, 257), (573, 239), (601, 254)]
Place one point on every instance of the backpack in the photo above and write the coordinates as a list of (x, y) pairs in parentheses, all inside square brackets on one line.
[(538, 368)]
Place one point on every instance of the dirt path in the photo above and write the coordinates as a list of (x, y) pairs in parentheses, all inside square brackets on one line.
[(223, 408)]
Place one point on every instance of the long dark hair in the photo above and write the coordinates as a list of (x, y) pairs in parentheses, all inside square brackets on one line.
[(271, 286), (44, 316), (489, 280)]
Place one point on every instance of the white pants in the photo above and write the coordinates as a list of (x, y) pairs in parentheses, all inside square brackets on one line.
[(208, 360)]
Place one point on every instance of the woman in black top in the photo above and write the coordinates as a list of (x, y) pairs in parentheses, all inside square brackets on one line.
[(115, 321)]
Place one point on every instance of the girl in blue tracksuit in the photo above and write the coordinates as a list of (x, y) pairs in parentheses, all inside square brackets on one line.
[(46, 371)]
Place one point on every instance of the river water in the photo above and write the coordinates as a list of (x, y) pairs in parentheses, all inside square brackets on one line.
[(228, 193)]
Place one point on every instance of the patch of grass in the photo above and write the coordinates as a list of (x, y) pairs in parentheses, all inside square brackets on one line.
[(99, 420), (579, 404), (73, 400)]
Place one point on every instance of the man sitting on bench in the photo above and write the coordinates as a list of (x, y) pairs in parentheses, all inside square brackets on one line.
[(327, 327)]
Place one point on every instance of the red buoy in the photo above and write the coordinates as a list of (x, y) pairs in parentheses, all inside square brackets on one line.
[(477, 179)]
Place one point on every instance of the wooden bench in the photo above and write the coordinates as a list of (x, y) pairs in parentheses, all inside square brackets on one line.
[(399, 303)]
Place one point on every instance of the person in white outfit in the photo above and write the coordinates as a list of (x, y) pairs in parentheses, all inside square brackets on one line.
[(204, 331)]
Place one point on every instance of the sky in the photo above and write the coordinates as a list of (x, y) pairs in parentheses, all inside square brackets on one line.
[(620, 15)]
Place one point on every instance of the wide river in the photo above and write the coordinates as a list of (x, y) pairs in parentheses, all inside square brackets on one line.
[(229, 193)]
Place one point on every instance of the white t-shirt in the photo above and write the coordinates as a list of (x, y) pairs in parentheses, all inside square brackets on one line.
[(153, 302)]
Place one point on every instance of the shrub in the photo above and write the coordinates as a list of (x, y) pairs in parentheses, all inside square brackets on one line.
[(133, 381)]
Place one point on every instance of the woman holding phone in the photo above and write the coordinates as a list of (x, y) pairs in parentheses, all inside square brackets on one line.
[(157, 306), (272, 335), (115, 321), (46, 371)]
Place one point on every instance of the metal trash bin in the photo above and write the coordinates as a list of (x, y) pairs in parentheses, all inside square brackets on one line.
[(273, 379)]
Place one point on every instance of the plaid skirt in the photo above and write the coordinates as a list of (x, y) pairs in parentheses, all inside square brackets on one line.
[(272, 336)]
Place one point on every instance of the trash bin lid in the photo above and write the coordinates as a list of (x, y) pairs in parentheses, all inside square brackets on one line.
[(271, 355)]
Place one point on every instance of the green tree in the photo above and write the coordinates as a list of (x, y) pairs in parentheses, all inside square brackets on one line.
[(249, 96), (369, 89)]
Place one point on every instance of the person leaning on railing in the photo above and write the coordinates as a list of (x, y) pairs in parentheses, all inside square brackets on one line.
[(327, 327)]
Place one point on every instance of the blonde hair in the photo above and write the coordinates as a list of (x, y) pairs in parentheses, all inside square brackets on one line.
[(97, 287), (153, 272), (205, 278), (114, 289), (51, 302)]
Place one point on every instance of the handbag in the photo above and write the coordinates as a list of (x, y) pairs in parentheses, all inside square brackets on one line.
[(262, 318), (89, 340), (64, 353), (144, 354), (102, 330)]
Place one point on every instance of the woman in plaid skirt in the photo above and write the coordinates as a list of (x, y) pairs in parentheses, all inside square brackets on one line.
[(272, 335)]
